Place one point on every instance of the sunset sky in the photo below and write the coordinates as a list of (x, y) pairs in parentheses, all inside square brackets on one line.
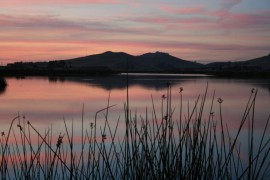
[(197, 30)]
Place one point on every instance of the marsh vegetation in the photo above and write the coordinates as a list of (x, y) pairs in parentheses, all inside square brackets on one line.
[(194, 144)]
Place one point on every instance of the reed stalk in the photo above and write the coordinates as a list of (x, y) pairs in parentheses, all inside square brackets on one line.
[(194, 145)]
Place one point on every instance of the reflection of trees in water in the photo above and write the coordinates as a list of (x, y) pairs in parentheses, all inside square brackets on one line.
[(54, 79), (3, 85)]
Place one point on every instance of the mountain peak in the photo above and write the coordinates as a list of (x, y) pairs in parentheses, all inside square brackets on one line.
[(161, 53), (156, 54), (110, 53)]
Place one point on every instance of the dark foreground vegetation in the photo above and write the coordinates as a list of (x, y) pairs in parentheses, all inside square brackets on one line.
[(3, 85), (190, 145)]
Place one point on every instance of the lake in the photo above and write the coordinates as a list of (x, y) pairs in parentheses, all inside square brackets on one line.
[(47, 102)]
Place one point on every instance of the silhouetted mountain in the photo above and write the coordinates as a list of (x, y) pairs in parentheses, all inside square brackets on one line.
[(164, 61), (257, 64), (262, 62), (111, 60), (115, 62), (119, 61)]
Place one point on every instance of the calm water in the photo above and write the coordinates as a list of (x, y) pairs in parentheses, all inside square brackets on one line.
[(45, 102)]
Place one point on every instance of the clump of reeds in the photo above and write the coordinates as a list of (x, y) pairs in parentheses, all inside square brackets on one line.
[(167, 147)]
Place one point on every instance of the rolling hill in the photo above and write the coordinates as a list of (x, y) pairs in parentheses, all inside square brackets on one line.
[(257, 64), (117, 62), (120, 61)]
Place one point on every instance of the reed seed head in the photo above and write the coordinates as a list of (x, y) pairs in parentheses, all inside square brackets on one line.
[(59, 141), (180, 89), (104, 137), (166, 117), (220, 100), (19, 126)]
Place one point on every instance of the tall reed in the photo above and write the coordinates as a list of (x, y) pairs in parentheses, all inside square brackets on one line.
[(192, 145)]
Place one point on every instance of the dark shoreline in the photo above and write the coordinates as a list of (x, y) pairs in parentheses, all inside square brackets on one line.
[(110, 63), (4, 72)]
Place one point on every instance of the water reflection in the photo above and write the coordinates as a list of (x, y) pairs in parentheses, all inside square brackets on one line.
[(45, 102), (154, 81), (54, 79)]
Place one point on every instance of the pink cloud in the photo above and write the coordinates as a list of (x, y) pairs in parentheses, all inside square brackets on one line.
[(222, 19), (229, 4), (73, 47), (185, 50), (172, 20), (22, 21), (187, 10), (231, 20), (265, 12), (188, 45), (54, 28), (48, 36), (52, 2)]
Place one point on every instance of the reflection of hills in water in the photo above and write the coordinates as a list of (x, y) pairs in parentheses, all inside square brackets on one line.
[(157, 82), (153, 81)]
